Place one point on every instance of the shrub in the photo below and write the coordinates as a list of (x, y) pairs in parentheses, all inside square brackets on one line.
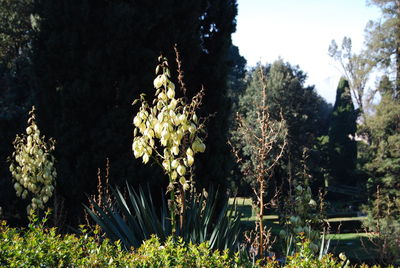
[(306, 258), (383, 221), (38, 246)]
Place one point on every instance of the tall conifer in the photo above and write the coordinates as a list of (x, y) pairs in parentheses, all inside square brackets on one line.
[(342, 144)]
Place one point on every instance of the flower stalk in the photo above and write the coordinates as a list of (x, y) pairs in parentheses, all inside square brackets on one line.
[(169, 132)]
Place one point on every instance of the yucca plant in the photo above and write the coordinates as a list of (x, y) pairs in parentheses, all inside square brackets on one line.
[(135, 218)]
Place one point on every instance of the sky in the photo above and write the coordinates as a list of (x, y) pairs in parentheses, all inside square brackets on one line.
[(300, 33)]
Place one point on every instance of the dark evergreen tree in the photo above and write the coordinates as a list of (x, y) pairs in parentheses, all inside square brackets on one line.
[(216, 28), (16, 26), (92, 58), (342, 129), (236, 86)]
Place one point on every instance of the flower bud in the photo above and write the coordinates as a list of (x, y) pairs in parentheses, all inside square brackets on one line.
[(158, 82), (160, 105), (200, 147), (171, 85), (170, 93), (185, 186), (145, 158), (158, 129), (163, 141), (143, 115), (149, 133), (195, 119), (175, 150), (162, 96), (182, 118), (165, 134), (172, 114), (137, 121), (137, 153), (312, 203), (172, 104), (174, 164), (192, 128), (189, 152), (166, 165), (181, 170), (17, 186), (190, 160), (160, 117)]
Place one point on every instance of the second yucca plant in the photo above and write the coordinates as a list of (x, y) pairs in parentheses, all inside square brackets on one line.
[(169, 132)]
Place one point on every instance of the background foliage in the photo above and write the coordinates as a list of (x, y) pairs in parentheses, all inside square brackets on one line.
[(88, 60)]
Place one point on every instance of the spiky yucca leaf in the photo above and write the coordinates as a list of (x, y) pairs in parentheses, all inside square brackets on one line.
[(134, 219)]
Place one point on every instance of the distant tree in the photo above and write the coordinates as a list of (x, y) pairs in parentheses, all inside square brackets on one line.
[(258, 145), (383, 39), (249, 109), (384, 171), (15, 29), (356, 68), (342, 129), (17, 24), (385, 143), (304, 112)]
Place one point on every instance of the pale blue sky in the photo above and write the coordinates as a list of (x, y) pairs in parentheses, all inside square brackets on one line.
[(300, 32)]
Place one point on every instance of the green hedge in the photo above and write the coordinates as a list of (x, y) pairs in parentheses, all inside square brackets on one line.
[(37, 246)]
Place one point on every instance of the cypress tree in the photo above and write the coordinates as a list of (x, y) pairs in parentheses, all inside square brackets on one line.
[(342, 145), (92, 58)]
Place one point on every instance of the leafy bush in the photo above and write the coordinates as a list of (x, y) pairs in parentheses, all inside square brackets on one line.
[(38, 246), (306, 258), (383, 221)]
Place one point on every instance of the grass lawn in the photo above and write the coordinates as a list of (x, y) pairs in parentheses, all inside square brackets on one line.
[(355, 245)]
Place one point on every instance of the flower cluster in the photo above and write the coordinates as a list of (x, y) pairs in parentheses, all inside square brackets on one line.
[(32, 166), (169, 131)]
